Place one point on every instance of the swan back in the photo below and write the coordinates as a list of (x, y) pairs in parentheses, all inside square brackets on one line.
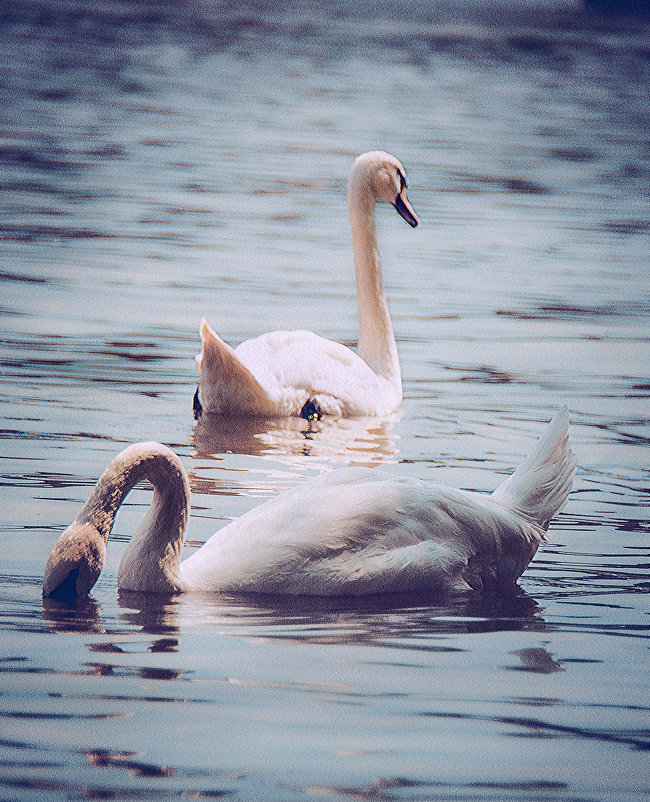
[(358, 531)]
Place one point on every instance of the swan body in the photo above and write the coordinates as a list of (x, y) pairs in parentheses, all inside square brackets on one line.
[(352, 531), (276, 374)]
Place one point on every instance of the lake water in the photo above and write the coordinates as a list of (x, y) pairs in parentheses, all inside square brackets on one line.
[(167, 161)]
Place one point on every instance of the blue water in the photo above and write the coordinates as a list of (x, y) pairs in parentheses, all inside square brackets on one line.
[(164, 162)]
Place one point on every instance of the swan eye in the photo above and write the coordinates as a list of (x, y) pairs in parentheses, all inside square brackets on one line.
[(402, 182)]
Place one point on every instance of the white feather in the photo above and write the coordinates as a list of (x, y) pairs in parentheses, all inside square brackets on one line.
[(348, 532), (276, 373)]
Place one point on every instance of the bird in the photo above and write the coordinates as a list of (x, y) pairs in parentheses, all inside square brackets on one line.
[(347, 532), (285, 373)]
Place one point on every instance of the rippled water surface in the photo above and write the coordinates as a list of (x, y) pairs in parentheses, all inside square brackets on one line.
[(161, 162)]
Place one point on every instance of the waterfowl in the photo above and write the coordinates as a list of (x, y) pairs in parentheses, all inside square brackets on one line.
[(349, 532), (284, 373)]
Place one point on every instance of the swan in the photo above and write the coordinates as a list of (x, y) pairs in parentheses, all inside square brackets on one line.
[(284, 373), (348, 532)]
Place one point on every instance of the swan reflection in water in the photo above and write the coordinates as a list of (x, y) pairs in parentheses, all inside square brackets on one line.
[(351, 441), (369, 620)]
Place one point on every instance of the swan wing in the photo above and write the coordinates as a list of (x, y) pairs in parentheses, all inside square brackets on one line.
[(358, 531), (227, 385), (296, 365)]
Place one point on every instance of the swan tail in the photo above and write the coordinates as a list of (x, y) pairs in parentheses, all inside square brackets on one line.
[(540, 486), (227, 386)]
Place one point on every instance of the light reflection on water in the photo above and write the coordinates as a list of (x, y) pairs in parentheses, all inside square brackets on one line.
[(160, 164), (356, 441)]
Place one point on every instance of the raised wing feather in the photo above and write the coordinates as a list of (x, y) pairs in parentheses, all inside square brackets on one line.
[(227, 385)]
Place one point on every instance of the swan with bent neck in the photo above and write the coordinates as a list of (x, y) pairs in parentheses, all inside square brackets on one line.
[(284, 373), (348, 532)]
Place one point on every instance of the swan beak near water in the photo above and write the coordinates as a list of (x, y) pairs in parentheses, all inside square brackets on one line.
[(75, 562)]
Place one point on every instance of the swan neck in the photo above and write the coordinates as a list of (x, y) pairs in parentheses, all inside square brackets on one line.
[(153, 553), (377, 345)]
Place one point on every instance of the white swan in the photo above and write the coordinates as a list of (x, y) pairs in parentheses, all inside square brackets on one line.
[(297, 372), (352, 531)]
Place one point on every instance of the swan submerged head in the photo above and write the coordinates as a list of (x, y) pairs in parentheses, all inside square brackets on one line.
[(75, 563), (150, 561), (385, 178)]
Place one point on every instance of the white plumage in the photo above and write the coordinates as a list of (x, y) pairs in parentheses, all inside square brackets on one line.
[(277, 373), (352, 531)]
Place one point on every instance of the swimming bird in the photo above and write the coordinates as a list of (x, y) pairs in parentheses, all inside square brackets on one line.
[(284, 373), (348, 532)]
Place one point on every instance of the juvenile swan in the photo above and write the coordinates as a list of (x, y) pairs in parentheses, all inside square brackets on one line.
[(352, 531), (285, 373)]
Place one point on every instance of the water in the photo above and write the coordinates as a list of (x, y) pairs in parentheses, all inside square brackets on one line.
[(164, 162)]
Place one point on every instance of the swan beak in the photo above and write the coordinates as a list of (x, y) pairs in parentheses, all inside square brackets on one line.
[(74, 563), (311, 410), (404, 209), (197, 407)]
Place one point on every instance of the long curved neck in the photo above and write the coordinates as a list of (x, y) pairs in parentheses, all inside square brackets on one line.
[(377, 345), (150, 562)]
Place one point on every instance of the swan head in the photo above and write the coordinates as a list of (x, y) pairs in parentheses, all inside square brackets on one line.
[(75, 562), (384, 176)]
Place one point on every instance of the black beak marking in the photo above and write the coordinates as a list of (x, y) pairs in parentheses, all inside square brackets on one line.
[(404, 211)]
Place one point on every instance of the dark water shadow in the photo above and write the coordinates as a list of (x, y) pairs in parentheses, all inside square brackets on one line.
[(77, 615), (528, 727), (370, 620)]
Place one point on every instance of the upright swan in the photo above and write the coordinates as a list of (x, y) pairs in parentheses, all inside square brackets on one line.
[(352, 531), (285, 373)]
